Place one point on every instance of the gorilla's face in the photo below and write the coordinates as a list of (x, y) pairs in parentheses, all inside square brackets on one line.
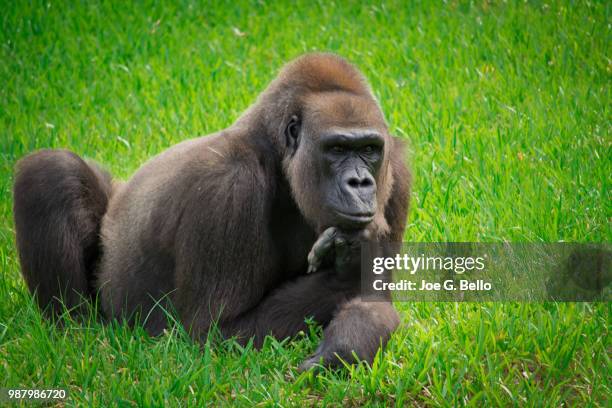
[(350, 163), (336, 151)]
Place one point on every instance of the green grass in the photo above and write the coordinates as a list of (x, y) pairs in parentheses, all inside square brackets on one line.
[(507, 110)]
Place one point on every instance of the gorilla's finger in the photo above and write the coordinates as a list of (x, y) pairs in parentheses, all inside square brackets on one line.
[(343, 253), (309, 363), (320, 361), (320, 248), (365, 235), (347, 259)]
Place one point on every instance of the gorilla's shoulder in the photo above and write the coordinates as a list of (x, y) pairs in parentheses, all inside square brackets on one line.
[(211, 171), (216, 157)]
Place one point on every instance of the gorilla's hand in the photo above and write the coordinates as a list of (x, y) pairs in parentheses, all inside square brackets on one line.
[(339, 249)]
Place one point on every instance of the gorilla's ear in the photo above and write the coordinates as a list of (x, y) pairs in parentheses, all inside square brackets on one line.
[(292, 134)]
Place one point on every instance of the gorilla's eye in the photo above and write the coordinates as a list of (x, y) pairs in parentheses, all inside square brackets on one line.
[(337, 149), (370, 149)]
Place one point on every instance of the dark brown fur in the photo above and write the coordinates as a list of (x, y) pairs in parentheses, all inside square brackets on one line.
[(59, 203), (216, 229)]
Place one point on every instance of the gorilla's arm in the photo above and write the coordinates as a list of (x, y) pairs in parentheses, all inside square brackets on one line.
[(358, 326), (284, 311)]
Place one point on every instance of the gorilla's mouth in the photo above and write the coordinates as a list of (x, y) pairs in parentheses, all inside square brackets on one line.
[(356, 218)]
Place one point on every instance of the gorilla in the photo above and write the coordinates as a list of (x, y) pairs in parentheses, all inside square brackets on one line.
[(252, 229)]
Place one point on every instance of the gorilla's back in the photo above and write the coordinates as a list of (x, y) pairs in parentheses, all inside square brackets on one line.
[(138, 231)]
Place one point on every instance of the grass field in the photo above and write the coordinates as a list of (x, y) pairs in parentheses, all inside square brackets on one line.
[(507, 109)]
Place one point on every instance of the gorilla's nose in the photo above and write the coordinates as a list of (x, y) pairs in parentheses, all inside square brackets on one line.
[(363, 182)]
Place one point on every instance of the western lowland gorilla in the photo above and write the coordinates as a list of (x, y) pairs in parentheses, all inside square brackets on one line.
[(254, 228)]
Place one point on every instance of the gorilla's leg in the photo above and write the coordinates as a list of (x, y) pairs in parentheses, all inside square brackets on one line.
[(59, 201), (282, 314), (359, 327)]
